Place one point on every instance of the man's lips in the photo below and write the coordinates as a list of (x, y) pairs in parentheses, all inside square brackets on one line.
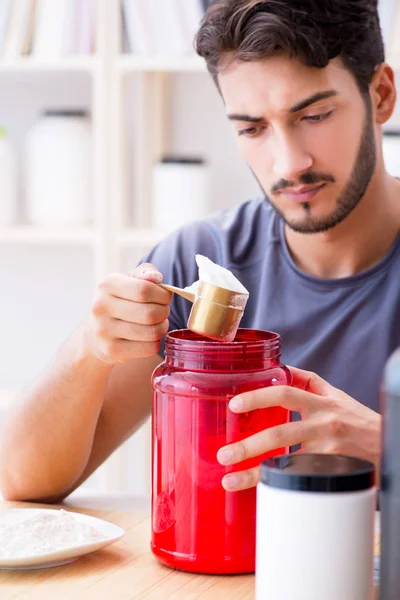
[(303, 194)]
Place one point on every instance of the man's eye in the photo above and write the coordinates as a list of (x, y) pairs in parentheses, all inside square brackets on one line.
[(250, 131), (318, 118)]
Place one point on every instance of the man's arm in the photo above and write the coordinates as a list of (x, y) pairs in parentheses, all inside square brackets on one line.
[(92, 398)]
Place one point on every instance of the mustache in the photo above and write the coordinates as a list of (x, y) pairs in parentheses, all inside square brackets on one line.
[(309, 178)]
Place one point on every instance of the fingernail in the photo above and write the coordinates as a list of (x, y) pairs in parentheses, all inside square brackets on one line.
[(236, 403), (225, 456), (231, 482), (152, 273)]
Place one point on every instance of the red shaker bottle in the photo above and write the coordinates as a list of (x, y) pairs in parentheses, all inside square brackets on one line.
[(196, 525)]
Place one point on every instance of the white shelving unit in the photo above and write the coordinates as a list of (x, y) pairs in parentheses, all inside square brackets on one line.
[(185, 64), (27, 64), (27, 234), (112, 232)]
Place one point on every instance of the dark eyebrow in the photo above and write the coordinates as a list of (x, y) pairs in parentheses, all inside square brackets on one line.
[(236, 117), (294, 109), (312, 100)]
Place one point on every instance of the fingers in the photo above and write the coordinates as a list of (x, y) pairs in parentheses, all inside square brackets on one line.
[(243, 480), (132, 312), (134, 289), (129, 316), (147, 271), (281, 395), (281, 436), (114, 351), (310, 382), (135, 332)]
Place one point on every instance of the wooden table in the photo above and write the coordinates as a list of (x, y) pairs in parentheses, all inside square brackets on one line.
[(124, 571)]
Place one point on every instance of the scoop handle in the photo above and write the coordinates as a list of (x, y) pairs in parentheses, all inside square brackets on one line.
[(179, 291)]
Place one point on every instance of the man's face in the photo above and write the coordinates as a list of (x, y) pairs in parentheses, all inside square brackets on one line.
[(307, 135)]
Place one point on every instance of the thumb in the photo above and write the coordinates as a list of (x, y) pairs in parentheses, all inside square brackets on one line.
[(148, 272)]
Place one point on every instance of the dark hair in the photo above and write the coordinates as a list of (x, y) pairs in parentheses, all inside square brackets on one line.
[(316, 31)]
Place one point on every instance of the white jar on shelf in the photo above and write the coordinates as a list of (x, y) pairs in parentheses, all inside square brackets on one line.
[(8, 180), (59, 169), (180, 191), (391, 152)]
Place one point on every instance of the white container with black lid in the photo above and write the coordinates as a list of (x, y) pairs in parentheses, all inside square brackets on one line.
[(315, 528)]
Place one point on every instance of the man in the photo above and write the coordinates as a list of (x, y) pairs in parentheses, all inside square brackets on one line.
[(307, 90)]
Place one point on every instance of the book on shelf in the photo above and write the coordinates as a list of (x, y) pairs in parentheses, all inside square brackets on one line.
[(70, 27), (46, 29), (18, 37), (393, 49), (193, 12), (136, 23), (154, 26), (5, 13), (161, 27), (86, 18), (50, 19), (387, 15), (79, 27), (169, 28)]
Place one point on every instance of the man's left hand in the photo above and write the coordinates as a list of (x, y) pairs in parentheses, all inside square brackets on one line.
[(332, 423)]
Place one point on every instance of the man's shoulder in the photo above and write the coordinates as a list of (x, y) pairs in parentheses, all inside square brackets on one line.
[(234, 235), (234, 238), (249, 215)]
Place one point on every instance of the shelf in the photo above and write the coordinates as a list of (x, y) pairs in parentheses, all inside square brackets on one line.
[(27, 234), (141, 237), (129, 63), (28, 64)]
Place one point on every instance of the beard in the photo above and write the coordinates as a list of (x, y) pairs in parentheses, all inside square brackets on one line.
[(352, 194)]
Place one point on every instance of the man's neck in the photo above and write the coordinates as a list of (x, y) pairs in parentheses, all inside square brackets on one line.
[(359, 242)]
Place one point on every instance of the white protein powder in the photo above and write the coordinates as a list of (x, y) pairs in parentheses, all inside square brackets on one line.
[(43, 533), (214, 274)]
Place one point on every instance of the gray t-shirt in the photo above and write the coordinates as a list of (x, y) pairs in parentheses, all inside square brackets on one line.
[(343, 329)]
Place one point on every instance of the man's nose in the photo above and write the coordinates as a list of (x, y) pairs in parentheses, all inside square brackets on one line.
[(291, 159)]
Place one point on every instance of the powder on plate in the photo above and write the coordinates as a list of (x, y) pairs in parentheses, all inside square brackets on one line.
[(45, 532)]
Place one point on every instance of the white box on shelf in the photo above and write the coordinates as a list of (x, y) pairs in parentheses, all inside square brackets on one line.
[(19, 34)]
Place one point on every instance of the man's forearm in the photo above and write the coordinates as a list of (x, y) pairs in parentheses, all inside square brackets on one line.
[(43, 453)]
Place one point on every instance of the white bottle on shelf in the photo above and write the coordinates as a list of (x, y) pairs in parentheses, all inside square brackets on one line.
[(59, 169), (180, 191), (8, 180), (391, 152)]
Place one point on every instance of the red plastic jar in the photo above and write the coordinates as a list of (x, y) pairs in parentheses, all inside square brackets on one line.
[(196, 525)]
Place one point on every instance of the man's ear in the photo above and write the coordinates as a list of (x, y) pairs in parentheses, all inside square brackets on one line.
[(383, 93)]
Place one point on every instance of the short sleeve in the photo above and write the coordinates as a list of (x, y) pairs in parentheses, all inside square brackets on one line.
[(175, 258)]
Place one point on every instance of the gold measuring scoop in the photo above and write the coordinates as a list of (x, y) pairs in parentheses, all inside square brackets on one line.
[(216, 312)]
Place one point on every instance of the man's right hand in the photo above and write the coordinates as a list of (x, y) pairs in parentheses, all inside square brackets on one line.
[(129, 316)]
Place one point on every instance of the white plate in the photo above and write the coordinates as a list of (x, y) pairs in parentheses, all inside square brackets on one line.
[(111, 532)]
